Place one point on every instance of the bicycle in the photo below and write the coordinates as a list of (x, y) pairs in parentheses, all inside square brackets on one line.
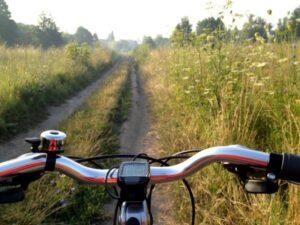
[(133, 181)]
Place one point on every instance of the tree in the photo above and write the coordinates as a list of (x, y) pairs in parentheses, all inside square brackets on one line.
[(256, 27), (295, 20), (49, 34), (111, 37), (4, 9), (83, 35), (160, 41), (209, 25), (8, 28), (125, 45), (147, 40), (185, 27), (182, 34), (95, 37), (28, 35)]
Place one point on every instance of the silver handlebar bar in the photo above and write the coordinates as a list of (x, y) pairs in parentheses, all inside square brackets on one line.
[(33, 162)]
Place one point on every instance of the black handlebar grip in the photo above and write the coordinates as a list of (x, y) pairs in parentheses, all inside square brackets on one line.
[(290, 168)]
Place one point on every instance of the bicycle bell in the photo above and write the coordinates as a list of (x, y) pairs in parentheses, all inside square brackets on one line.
[(52, 141)]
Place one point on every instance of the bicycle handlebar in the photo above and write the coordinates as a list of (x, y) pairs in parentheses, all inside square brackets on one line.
[(34, 162)]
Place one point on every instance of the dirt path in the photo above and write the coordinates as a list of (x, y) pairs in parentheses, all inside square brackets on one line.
[(56, 114), (137, 136)]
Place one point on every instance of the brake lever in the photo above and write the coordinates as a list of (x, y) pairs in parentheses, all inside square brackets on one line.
[(253, 180), (13, 189)]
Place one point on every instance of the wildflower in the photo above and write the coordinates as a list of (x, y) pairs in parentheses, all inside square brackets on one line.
[(62, 202), (185, 78), (297, 101), (282, 60), (73, 189), (187, 92), (203, 36), (259, 84), (53, 182), (271, 93), (210, 38), (197, 81), (296, 63), (261, 65)]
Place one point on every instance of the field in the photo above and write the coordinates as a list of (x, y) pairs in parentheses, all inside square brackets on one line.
[(92, 130), (220, 94), (32, 78)]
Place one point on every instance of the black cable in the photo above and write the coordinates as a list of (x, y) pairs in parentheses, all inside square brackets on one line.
[(106, 186), (139, 155), (79, 159)]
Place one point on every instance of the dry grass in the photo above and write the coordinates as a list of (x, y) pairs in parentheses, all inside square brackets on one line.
[(232, 94)]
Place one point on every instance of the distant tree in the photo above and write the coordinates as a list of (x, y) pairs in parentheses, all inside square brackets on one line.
[(255, 27), (4, 9), (295, 20), (95, 37), (160, 41), (182, 34), (49, 34), (111, 37), (83, 35), (125, 45), (68, 38), (185, 27), (209, 25), (8, 28), (147, 40), (28, 35), (282, 31)]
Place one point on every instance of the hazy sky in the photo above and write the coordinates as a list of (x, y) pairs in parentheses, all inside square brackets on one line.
[(132, 19)]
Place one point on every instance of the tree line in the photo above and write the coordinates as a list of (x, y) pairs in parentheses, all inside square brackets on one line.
[(255, 29), (46, 34)]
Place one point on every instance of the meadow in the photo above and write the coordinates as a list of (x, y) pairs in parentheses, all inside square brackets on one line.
[(32, 78), (227, 93), (92, 130)]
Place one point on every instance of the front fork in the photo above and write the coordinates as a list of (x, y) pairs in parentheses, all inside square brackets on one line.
[(134, 213)]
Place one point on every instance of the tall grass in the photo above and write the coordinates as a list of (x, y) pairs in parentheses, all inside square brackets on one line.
[(228, 94), (31, 79), (57, 199)]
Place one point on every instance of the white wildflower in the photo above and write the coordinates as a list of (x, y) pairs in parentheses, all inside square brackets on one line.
[(283, 60), (261, 65)]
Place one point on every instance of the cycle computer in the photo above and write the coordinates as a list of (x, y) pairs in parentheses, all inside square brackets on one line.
[(134, 173)]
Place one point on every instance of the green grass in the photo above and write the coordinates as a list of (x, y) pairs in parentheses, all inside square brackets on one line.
[(92, 130), (31, 79), (228, 94)]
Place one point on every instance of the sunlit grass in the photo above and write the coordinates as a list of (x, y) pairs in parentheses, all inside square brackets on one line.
[(31, 79), (230, 94), (90, 131)]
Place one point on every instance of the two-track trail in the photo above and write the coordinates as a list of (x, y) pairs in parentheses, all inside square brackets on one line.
[(56, 114), (137, 136)]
